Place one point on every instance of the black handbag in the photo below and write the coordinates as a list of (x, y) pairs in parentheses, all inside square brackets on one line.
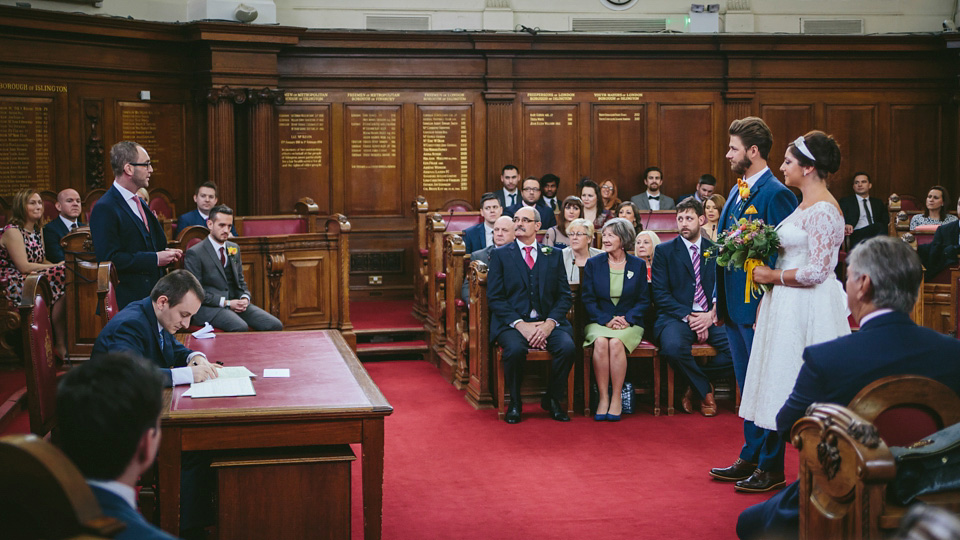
[(930, 465)]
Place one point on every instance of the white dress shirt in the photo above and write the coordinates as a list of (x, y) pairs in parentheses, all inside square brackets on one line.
[(488, 234), (751, 180), (125, 492), (863, 221), (507, 194), (133, 202), (68, 223), (217, 246), (181, 375), (654, 203)]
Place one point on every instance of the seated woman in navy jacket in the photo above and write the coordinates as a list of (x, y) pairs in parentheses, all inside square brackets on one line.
[(615, 297)]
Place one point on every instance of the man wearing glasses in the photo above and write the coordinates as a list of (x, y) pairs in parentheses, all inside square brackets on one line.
[(530, 198), (124, 229)]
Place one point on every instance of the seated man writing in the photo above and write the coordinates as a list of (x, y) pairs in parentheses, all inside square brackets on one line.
[(216, 263), (883, 280), (146, 328), (108, 421)]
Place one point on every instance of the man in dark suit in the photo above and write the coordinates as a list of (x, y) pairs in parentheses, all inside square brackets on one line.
[(503, 234), (549, 184), (757, 195), (146, 328), (683, 284), (216, 263), (124, 229), (480, 235), (68, 204), (653, 198), (108, 424), (206, 199), (944, 249), (705, 188), (529, 298), (508, 195), (865, 216), (530, 198), (883, 280)]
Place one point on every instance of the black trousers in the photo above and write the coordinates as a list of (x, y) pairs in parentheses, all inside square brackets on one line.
[(559, 345)]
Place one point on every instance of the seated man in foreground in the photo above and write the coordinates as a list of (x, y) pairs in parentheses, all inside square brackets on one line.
[(883, 280), (216, 263), (502, 235), (108, 421), (529, 298), (146, 328)]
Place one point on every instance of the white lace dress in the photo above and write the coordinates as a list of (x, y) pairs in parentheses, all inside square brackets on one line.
[(791, 318)]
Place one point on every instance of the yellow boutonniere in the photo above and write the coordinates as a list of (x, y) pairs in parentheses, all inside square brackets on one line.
[(744, 189), (751, 210), (231, 250)]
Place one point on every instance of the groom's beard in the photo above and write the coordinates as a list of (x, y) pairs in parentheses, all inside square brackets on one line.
[(741, 167)]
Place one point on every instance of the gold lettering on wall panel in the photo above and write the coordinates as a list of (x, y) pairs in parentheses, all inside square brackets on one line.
[(304, 154), (159, 128), (550, 143), (444, 148), (618, 146), (26, 153), (617, 96), (305, 97), (372, 164)]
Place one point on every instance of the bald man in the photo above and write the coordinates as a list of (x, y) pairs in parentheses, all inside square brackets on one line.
[(68, 204), (503, 234)]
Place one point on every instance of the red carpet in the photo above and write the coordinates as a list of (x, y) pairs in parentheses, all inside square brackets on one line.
[(455, 472), (366, 315)]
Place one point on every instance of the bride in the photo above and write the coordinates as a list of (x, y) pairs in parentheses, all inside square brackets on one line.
[(807, 304)]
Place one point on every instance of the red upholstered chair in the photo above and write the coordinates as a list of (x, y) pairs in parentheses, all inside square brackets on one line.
[(906, 408), (49, 204), (909, 203), (271, 225), (659, 220), (43, 495), (191, 236), (107, 305), (457, 205), (460, 222), (161, 203), (40, 364), (90, 201)]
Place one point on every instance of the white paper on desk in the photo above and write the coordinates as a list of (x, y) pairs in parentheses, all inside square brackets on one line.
[(220, 387), (205, 333), (276, 372), (233, 372)]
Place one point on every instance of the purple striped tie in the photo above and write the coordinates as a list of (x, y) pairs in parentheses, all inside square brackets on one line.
[(698, 296)]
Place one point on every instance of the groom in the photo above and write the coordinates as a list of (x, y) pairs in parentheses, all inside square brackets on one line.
[(757, 195)]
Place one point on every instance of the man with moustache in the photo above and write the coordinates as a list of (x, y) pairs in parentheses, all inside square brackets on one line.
[(509, 195), (529, 297), (683, 284), (757, 195), (530, 198), (479, 236), (503, 234), (652, 198), (68, 204)]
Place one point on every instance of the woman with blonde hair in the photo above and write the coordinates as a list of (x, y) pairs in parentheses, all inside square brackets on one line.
[(646, 242), (22, 252), (576, 254)]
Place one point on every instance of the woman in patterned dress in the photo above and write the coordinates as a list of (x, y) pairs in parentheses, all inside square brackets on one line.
[(21, 253)]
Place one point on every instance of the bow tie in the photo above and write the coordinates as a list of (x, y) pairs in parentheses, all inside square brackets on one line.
[(653, 197), (744, 188)]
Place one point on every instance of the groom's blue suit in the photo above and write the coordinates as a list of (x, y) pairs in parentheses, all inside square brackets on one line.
[(771, 202)]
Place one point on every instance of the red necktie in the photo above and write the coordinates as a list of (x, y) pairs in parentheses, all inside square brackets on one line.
[(223, 258), (136, 200), (528, 257)]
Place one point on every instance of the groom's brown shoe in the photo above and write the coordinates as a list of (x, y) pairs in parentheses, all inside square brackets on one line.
[(687, 402), (738, 471), (761, 481), (708, 405)]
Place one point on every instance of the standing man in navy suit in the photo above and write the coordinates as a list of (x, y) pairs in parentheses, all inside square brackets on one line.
[(206, 199), (68, 204), (757, 195), (686, 308), (108, 424), (124, 229), (883, 281), (479, 236), (529, 298), (530, 198)]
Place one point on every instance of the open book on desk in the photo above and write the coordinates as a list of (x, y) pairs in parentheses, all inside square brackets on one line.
[(232, 381)]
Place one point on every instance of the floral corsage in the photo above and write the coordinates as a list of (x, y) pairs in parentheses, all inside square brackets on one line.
[(231, 250), (546, 250)]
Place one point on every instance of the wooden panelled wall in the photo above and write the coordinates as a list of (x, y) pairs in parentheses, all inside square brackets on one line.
[(363, 122)]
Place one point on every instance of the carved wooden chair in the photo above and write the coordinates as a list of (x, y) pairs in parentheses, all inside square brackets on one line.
[(533, 355), (457, 205), (107, 305), (43, 495), (453, 342), (191, 236), (49, 204), (90, 201), (161, 204), (421, 223), (40, 364), (906, 408)]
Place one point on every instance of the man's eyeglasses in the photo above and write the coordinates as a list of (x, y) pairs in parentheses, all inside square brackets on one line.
[(523, 220), (531, 189), (144, 164)]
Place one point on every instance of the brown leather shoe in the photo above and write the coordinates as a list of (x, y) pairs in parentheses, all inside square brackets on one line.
[(760, 482), (738, 471), (687, 402), (708, 406)]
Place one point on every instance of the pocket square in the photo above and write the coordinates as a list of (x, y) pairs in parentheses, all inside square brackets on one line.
[(750, 210)]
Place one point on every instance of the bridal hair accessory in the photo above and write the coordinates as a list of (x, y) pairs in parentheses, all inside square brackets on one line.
[(802, 147)]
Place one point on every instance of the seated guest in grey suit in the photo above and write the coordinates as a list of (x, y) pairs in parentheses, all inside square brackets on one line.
[(108, 421), (503, 233), (216, 263), (653, 198)]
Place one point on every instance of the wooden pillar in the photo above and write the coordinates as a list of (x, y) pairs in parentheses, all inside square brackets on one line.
[(501, 148), (221, 142), (264, 168)]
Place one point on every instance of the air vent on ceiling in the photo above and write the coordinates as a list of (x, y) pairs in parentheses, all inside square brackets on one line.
[(580, 24), (831, 26), (398, 22)]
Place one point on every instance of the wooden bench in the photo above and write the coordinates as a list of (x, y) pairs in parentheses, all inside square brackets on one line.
[(456, 335), (83, 324)]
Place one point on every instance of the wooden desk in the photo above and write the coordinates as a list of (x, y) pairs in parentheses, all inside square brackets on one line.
[(329, 399)]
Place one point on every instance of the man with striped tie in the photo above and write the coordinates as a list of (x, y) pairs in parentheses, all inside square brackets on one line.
[(683, 285)]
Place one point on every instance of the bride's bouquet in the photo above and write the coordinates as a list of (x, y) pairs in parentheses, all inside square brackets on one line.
[(745, 245)]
